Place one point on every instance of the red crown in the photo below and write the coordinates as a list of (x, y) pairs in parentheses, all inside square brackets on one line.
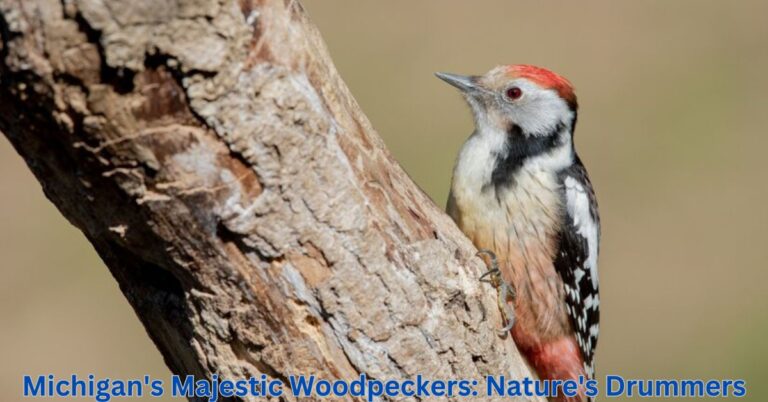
[(546, 79)]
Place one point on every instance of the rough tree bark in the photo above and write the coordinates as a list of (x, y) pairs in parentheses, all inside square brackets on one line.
[(251, 215)]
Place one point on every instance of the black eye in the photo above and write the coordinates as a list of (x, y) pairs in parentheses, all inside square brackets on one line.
[(514, 93)]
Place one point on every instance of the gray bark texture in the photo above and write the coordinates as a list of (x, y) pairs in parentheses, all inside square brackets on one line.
[(252, 216)]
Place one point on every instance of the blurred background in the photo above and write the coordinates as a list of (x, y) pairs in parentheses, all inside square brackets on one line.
[(672, 128)]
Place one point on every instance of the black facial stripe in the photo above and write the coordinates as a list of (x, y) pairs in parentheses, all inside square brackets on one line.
[(520, 146)]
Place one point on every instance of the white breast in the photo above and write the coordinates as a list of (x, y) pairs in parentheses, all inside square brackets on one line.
[(524, 211)]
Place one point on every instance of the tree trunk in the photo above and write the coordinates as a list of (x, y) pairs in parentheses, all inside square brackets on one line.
[(253, 218)]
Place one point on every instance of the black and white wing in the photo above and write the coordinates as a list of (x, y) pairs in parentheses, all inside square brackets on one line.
[(576, 259)]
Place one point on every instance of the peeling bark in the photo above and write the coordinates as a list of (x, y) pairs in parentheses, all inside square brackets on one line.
[(253, 218)]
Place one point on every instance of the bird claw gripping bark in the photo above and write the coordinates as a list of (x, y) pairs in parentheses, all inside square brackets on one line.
[(505, 291)]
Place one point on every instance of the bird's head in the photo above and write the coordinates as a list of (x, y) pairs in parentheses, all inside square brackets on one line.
[(530, 99)]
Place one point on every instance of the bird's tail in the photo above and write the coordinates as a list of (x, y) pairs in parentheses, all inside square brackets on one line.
[(559, 360)]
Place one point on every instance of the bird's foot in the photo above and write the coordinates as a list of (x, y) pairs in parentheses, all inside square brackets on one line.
[(507, 311), (493, 275), (505, 291)]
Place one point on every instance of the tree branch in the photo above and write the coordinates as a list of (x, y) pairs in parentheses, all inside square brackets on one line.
[(253, 218)]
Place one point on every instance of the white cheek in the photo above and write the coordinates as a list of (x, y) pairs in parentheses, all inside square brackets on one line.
[(541, 112)]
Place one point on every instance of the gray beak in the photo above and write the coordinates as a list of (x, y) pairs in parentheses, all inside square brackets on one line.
[(466, 83)]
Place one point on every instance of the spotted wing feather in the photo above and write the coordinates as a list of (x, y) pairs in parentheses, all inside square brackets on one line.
[(576, 259)]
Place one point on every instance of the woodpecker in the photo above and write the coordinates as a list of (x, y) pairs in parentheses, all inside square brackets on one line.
[(522, 195)]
